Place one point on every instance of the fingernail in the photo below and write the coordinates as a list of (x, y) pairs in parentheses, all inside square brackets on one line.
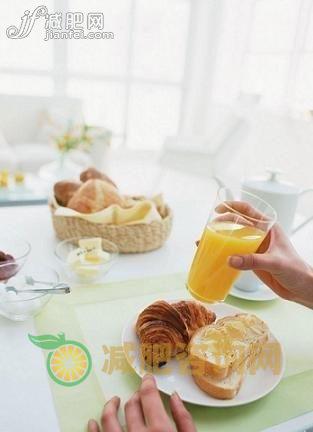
[(113, 399), (91, 422), (175, 396), (116, 399), (148, 377), (235, 261), (92, 425)]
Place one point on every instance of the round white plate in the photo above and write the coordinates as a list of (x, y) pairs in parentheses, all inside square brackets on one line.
[(254, 386), (264, 293)]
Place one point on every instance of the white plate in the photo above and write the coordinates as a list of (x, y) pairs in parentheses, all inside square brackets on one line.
[(264, 293), (254, 386)]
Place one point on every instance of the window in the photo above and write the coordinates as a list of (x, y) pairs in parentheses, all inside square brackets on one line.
[(133, 84), (266, 48), (25, 64)]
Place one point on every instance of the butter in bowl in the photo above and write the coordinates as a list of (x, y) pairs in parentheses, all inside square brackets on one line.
[(86, 260)]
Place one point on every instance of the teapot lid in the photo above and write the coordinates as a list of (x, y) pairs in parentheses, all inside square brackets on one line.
[(271, 184)]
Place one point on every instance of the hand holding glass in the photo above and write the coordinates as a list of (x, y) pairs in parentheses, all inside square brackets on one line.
[(234, 227)]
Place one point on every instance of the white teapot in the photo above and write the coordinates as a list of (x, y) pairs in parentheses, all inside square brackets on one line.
[(283, 196)]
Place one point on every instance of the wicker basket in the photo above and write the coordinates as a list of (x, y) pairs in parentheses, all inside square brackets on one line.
[(128, 238)]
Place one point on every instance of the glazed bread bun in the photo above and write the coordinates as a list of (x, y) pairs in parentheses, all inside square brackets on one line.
[(95, 195), (93, 173), (224, 345), (220, 353), (64, 190)]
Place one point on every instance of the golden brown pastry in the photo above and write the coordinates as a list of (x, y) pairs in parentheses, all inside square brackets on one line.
[(194, 314), (162, 311), (160, 341), (162, 333), (64, 190), (95, 195), (164, 329), (93, 173)]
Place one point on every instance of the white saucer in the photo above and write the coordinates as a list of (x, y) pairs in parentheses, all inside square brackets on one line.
[(264, 293)]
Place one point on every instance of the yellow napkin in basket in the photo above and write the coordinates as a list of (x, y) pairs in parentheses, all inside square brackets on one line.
[(141, 212)]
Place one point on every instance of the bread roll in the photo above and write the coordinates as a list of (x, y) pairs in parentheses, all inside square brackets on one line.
[(64, 190), (93, 173), (95, 195)]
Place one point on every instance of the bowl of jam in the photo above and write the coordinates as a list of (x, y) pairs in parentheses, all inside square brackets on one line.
[(14, 252)]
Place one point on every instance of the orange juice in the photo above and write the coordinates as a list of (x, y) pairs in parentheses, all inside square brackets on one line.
[(210, 277)]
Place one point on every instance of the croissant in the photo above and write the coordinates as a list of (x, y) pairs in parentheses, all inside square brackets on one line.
[(162, 311), (164, 329), (159, 342), (194, 314)]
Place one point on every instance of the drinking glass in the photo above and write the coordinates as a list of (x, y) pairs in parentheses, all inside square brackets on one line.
[(237, 225)]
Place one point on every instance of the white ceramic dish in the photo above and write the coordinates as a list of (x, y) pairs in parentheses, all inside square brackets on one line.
[(253, 388), (263, 293)]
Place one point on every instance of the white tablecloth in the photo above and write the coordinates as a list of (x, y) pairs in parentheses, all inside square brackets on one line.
[(25, 398)]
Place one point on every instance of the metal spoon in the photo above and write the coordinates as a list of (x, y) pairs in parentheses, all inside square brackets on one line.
[(31, 281), (60, 288)]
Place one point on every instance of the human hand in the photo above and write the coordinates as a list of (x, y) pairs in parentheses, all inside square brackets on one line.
[(278, 265), (144, 412)]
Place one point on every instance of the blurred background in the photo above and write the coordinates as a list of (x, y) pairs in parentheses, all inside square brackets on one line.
[(186, 89)]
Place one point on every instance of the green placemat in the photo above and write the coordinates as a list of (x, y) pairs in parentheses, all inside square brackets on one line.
[(96, 316)]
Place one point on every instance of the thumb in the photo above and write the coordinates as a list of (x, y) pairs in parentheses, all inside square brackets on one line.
[(253, 262)]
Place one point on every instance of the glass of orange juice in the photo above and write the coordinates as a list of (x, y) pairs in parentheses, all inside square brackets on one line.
[(235, 226)]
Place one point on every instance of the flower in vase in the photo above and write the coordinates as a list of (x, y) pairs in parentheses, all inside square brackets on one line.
[(78, 137)]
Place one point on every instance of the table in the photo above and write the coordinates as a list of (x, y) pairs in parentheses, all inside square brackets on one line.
[(32, 192), (25, 398)]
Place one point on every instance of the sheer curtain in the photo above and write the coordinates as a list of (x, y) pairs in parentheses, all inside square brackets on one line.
[(266, 47), (254, 50)]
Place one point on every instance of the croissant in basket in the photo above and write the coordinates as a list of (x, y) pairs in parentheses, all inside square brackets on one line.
[(164, 329)]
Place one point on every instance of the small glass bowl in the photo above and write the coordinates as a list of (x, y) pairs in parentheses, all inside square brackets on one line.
[(17, 248), (22, 306), (87, 273)]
